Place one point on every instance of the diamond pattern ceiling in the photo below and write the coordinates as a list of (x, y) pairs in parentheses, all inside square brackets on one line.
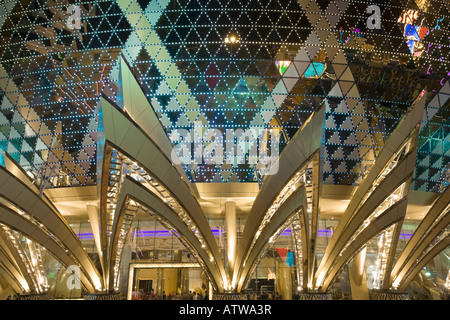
[(290, 58)]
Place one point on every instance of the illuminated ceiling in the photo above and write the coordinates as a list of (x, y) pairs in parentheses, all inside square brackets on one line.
[(71, 202)]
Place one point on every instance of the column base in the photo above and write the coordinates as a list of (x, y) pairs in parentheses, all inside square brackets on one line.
[(103, 296), (314, 296), (229, 296), (388, 295)]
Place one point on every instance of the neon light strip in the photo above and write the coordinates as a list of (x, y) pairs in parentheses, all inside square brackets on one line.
[(218, 232)]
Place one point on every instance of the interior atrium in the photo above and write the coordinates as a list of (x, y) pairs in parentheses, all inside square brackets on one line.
[(224, 149)]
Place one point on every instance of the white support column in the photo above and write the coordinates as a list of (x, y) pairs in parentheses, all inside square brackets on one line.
[(95, 225), (230, 221)]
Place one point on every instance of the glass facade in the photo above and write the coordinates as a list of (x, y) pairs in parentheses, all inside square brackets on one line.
[(225, 65)]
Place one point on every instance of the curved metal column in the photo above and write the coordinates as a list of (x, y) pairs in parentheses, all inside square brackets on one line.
[(389, 217), (386, 183), (10, 279), (133, 190), (16, 278), (13, 255), (393, 181), (123, 134), (137, 106), (25, 199), (433, 224), (302, 151), (10, 218), (296, 204), (414, 270)]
